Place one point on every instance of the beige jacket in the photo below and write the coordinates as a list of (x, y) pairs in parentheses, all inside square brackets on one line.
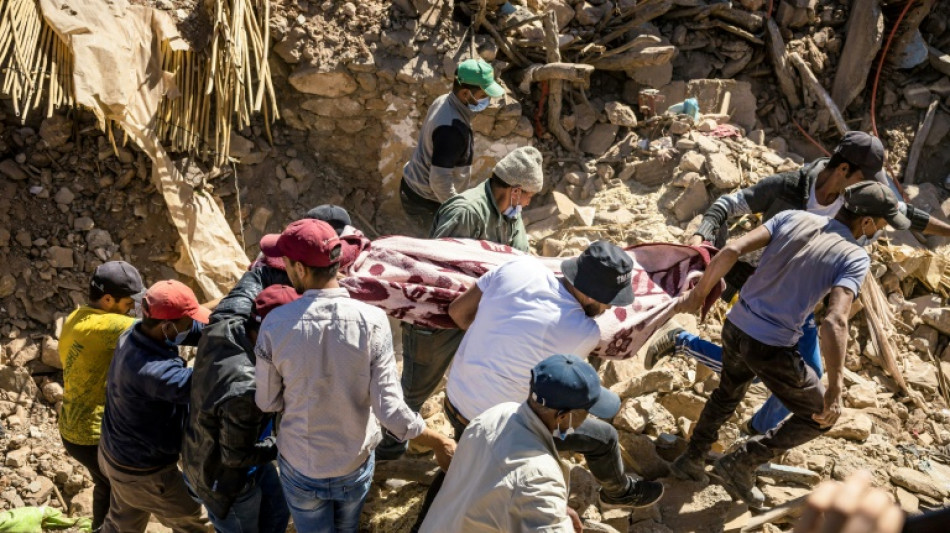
[(505, 476)]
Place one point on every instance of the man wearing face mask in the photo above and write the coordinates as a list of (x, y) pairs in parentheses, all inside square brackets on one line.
[(441, 165), (516, 316), (816, 188), (86, 345), (506, 474), (806, 257), (147, 397), (491, 212)]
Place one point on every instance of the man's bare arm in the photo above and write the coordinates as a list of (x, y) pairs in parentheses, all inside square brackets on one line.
[(463, 309), (834, 343)]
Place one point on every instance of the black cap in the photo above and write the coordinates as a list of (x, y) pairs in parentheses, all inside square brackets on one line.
[(117, 279), (875, 200), (603, 272), (864, 151), (565, 382), (334, 215)]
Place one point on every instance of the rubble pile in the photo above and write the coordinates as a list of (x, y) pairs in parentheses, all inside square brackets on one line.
[(354, 80)]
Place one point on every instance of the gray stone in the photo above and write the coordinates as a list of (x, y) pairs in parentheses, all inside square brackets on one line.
[(600, 139), (692, 162), (64, 196), (12, 170)]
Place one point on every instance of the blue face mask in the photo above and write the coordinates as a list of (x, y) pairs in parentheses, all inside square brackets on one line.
[(480, 106), (513, 211), (180, 336)]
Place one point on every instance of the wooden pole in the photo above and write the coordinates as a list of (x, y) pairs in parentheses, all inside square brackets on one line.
[(555, 87)]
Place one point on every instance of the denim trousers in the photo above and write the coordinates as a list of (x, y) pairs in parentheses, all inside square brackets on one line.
[(426, 354), (772, 411), (259, 508), (595, 439), (785, 374), (326, 505)]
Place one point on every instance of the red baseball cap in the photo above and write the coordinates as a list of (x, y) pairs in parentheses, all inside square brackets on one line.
[(271, 298), (171, 300), (308, 241)]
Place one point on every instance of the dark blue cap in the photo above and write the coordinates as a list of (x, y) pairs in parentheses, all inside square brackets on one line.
[(603, 272), (566, 382), (334, 215)]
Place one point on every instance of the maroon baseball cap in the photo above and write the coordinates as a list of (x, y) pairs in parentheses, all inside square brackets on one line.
[(271, 298), (308, 241), (171, 300)]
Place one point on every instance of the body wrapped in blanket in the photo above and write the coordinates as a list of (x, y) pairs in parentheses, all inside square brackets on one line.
[(415, 280)]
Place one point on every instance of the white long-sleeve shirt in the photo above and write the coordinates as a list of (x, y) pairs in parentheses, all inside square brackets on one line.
[(326, 362), (505, 478)]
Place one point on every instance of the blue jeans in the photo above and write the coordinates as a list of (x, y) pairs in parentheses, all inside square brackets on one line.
[(327, 505), (261, 508), (772, 411)]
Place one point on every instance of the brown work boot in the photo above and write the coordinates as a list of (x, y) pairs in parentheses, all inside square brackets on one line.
[(689, 467), (737, 476)]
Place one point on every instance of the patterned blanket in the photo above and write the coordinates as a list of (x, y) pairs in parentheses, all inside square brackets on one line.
[(415, 280)]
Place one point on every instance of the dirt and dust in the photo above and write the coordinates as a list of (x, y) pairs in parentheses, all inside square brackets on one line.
[(69, 201)]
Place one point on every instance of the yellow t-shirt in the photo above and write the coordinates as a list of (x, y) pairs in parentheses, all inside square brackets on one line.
[(86, 346)]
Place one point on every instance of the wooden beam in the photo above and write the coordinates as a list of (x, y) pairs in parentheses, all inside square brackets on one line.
[(910, 172), (821, 95)]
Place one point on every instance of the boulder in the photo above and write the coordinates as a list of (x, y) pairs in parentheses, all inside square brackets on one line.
[(639, 454), (635, 414), (853, 425), (692, 162), (50, 351), (862, 395), (313, 80), (620, 114), (692, 201), (919, 483), (723, 173), (600, 139), (16, 385), (683, 403), (52, 392), (656, 380)]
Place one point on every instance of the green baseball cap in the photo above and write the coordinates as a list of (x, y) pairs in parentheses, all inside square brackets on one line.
[(479, 73)]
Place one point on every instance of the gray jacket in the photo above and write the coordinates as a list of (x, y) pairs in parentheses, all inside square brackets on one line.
[(441, 164)]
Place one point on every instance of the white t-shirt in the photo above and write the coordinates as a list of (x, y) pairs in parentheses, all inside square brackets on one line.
[(830, 210), (525, 316)]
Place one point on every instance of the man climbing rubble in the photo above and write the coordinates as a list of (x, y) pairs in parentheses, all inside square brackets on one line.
[(491, 212), (86, 345), (146, 404), (807, 256), (326, 363), (516, 316), (816, 188), (228, 452), (506, 474), (441, 164)]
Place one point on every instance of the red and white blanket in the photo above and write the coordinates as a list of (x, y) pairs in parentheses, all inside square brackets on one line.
[(414, 280)]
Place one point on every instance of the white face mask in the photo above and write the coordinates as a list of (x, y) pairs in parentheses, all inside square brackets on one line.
[(557, 433), (864, 240)]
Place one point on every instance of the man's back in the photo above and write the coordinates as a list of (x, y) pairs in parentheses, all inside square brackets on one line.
[(806, 257), (85, 349), (505, 476), (445, 141), (525, 315), (326, 358)]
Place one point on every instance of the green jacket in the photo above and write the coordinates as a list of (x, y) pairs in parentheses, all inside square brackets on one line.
[(474, 215)]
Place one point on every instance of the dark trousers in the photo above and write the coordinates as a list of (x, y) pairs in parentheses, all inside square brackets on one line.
[(88, 456), (784, 372), (426, 354), (595, 439), (419, 209)]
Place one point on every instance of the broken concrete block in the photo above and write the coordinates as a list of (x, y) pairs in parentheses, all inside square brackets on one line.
[(620, 114), (723, 173), (600, 139)]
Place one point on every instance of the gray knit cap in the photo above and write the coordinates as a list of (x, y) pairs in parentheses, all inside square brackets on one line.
[(522, 168)]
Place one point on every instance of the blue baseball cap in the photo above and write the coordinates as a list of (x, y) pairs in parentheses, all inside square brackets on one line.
[(566, 382)]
